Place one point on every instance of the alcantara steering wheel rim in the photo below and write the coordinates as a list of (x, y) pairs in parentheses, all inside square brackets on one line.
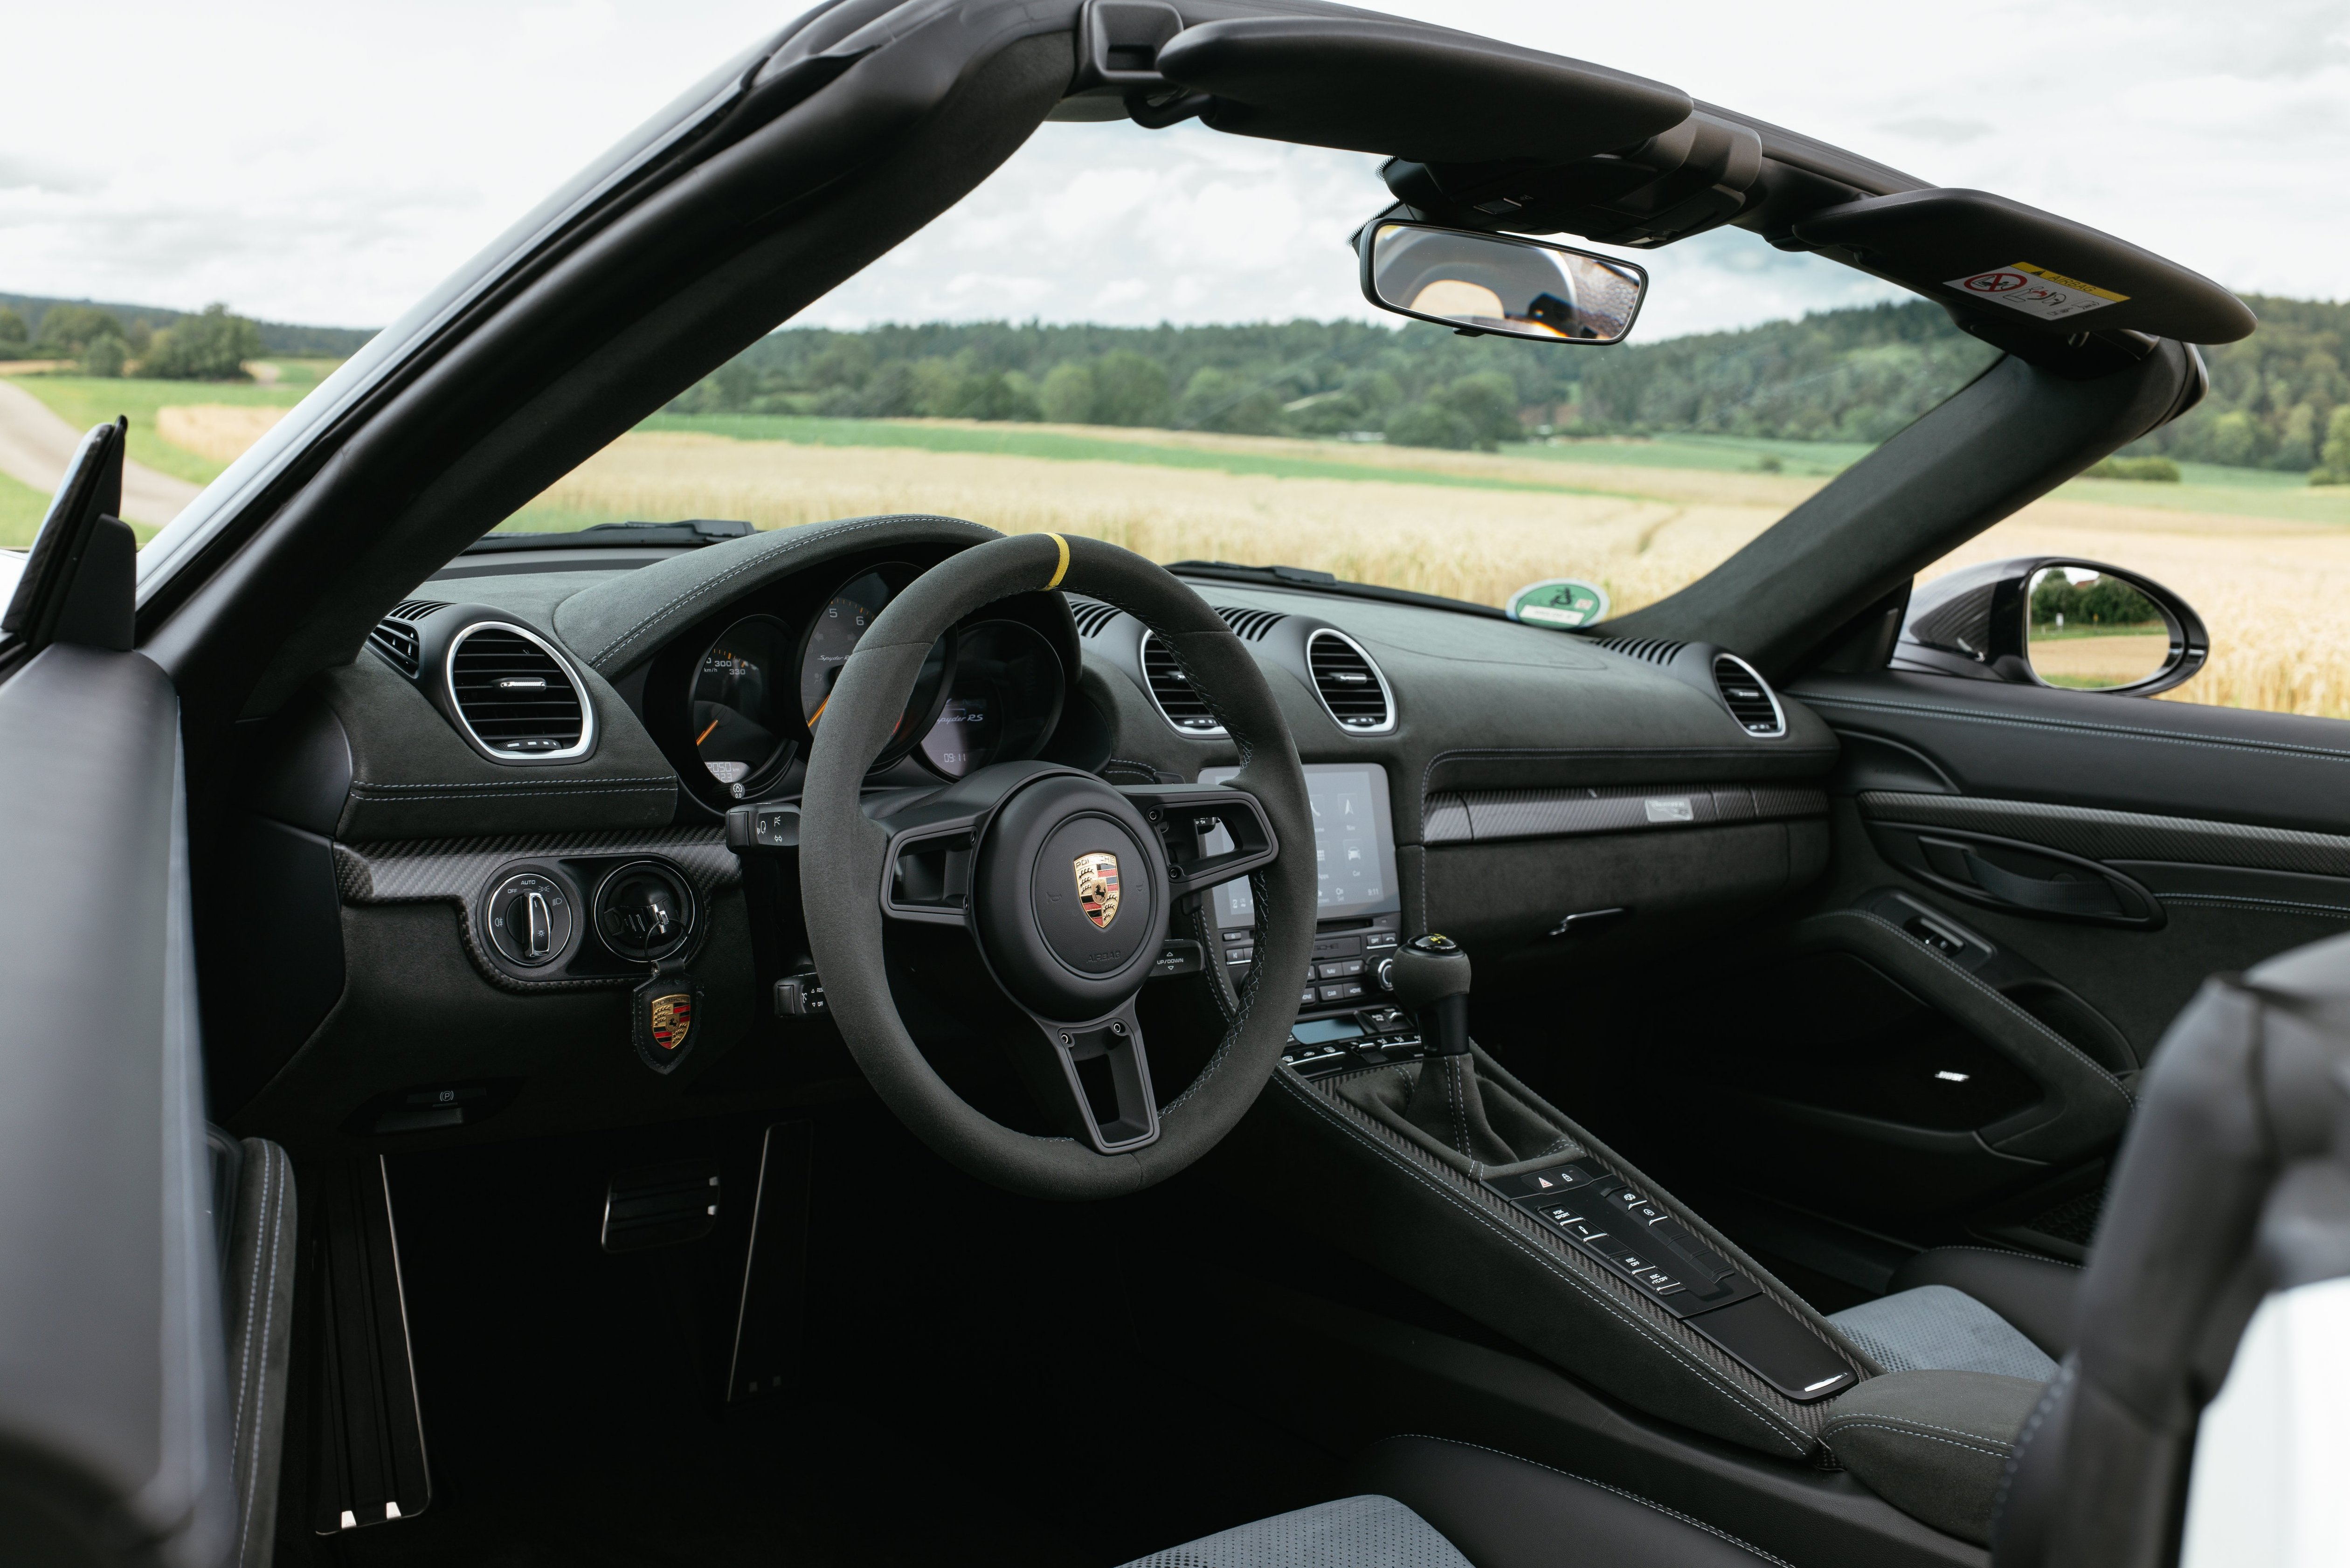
[(1012, 825)]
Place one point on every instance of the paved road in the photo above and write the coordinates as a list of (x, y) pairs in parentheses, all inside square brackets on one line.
[(36, 446)]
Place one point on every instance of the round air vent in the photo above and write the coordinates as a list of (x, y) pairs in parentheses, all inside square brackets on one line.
[(517, 697), (1349, 684), (1748, 696)]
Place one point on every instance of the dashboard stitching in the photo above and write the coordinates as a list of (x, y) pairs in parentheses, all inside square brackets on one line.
[(785, 542), (1960, 715), (2018, 1015), (1647, 1331)]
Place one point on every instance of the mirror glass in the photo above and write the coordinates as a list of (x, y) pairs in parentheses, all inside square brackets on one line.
[(1508, 286), (2093, 631)]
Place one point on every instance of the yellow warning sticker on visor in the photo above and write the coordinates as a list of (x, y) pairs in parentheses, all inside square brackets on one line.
[(2036, 291)]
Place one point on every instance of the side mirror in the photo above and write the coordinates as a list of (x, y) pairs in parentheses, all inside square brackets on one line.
[(1477, 284), (2049, 620)]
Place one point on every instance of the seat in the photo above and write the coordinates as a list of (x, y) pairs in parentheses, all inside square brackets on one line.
[(1970, 1308), (1428, 1503)]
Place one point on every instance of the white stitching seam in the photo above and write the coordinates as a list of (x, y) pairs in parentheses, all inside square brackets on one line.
[(1827, 1436), (1802, 1443), (1863, 1417), (2048, 1397), (1715, 1532), (2007, 1252)]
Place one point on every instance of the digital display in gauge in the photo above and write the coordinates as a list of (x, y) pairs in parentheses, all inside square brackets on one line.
[(1001, 703), (740, 714)]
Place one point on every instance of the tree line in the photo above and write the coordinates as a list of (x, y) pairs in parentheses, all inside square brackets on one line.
[(210, 345), (1852, 374)]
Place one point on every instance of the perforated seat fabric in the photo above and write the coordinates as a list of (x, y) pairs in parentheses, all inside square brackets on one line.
[(1352, 1533), (1935, 1328), (1427, 1503)]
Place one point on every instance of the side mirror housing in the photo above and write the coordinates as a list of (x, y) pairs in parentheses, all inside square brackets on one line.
[(1500, 285), (2052, 620)]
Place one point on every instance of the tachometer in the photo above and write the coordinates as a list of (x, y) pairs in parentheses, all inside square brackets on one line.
[(833, 634), (741, 710)]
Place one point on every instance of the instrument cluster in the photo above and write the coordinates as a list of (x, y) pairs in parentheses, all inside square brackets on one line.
[(748, 691)]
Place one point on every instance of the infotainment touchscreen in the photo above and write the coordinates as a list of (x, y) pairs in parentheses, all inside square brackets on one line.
[(1354, 844)]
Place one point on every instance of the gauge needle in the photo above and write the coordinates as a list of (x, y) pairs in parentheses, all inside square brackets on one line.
[(819, 710), (705, 734)]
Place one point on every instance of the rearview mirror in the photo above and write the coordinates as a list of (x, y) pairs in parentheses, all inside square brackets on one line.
[(1499, 284)]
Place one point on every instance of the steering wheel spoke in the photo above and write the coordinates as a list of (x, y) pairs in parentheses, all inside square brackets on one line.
[(1211, 834), (1108, 1077)]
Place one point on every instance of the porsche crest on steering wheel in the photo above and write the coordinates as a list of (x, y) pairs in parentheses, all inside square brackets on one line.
[(1098, 887)]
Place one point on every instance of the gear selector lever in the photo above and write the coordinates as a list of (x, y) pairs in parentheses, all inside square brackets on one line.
[(1431, 978)]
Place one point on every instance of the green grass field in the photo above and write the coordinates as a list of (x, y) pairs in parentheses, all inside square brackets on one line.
[(22, 507), (1720, 454), (86, 401), (1113, 445)]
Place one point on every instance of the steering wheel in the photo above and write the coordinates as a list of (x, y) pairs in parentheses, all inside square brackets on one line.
[(1063, 881)]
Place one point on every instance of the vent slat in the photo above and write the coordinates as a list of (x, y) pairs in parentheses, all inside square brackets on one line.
[(1250, 625), (1172, 690), (1348, 683), (1648, 650), (1748, 697), (526, 720), (1093, 617)]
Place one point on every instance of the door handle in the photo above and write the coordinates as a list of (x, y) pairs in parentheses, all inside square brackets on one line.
[(2051, 895)]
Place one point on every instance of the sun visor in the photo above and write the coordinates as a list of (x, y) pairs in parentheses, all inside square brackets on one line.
[(2018, 266), (1373, 85)]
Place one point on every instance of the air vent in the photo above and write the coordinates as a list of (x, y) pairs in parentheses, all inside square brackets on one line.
[(1172, 690), (517, 699), (1748, 696), (1350, 685), (1093, 617), (1250, 625), (1649, 650), (395, 637)]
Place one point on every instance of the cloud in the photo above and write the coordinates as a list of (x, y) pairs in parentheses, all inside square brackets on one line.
[(357, 155), (1932, 128)]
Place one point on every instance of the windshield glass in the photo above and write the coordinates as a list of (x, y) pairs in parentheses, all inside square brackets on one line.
[(1158, 338)]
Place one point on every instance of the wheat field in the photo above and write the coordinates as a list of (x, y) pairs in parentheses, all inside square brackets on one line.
[(2274, 592)]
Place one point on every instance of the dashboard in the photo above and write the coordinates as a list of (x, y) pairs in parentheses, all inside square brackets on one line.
[(463, 851)]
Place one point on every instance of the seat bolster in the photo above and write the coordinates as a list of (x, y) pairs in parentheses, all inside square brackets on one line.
[(257, 1291), (1506, 1512), (1934, 1444), (2035, 1295)]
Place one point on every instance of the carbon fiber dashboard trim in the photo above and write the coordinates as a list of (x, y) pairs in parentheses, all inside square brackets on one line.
[(2098, 835), (456, 871), (1490, 816)]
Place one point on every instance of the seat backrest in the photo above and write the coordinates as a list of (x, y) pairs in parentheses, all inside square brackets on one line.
[(2234, 1181)]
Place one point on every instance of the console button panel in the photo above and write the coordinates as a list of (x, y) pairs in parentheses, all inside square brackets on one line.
[(1599, 1213)]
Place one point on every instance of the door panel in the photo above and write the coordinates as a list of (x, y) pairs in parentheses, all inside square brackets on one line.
[(2026, 886), (113, 1431)]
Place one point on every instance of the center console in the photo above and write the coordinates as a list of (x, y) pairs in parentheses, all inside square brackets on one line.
[(1359, 917)]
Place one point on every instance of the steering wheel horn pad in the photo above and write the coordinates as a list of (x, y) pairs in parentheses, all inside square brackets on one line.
[(1069, 897), (1065, 882)]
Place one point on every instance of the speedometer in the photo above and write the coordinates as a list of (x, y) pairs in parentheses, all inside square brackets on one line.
[(741, 711)]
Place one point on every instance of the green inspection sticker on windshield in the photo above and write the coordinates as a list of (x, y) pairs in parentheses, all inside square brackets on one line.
[(1559, 602)]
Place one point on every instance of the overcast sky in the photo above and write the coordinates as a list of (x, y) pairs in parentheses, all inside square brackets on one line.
[(329, 163)]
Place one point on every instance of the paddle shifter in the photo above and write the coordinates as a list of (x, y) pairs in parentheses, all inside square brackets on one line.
[(1431, 978)]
